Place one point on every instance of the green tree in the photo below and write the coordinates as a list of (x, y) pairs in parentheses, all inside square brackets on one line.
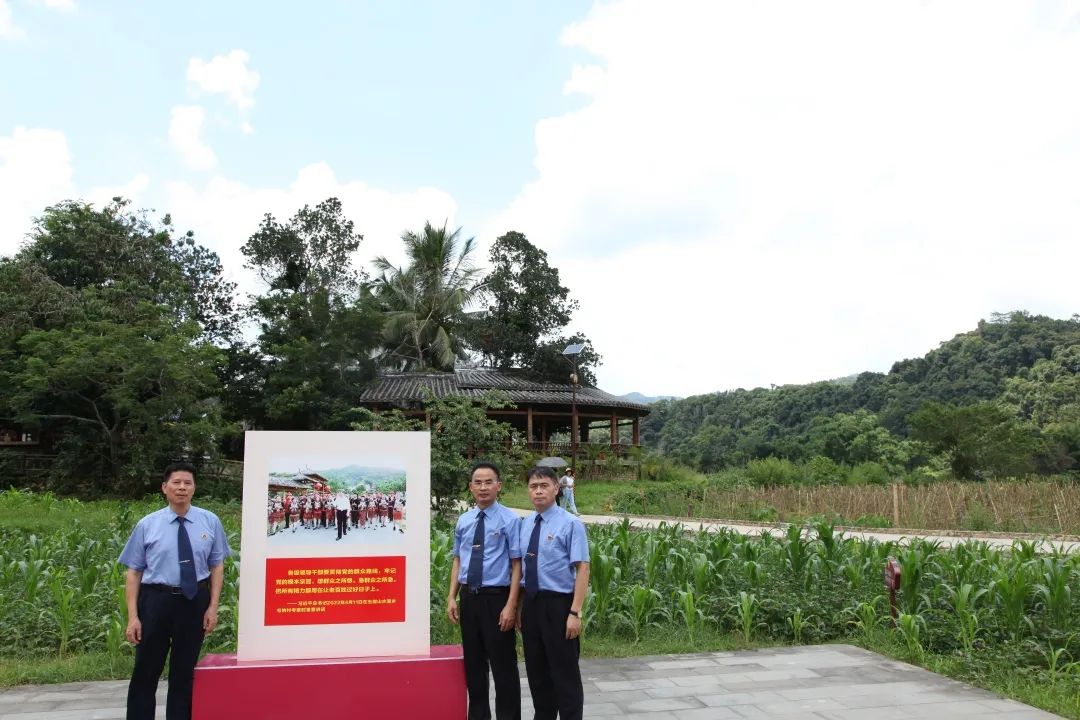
[(460, 430), (318, 324), (526, 302), (131, 258), (107, 342), (979, 440), (128, 395), (548, 363), (425, 302)]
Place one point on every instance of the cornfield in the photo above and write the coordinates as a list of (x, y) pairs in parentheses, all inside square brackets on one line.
[(63, 591)]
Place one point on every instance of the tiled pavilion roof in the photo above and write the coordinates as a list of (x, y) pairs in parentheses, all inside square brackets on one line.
[(406, 389)]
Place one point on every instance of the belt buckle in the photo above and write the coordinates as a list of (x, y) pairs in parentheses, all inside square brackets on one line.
[(475, 590)]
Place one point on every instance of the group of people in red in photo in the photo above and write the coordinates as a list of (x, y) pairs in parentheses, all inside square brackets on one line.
[(314, 510)]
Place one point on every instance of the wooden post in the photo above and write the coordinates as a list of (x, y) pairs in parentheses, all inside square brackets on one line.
[(637, 431), (529, 425), (614, 431), (896, 505)]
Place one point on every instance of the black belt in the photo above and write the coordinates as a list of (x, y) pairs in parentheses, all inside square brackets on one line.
[(487, 590), (553, 594), (173, 589)]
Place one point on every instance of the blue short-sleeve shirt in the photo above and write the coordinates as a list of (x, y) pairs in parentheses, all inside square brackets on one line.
[(500, 543), (563, 544), (152, 545)]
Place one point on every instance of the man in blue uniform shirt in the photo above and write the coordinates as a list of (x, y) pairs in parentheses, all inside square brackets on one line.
[(487, 571), (555, 577), (175, 571)]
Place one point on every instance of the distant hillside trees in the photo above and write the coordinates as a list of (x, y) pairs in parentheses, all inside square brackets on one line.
[(1000, 400)]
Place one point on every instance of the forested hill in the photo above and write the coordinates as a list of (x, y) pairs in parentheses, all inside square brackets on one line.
[(1027, 365)]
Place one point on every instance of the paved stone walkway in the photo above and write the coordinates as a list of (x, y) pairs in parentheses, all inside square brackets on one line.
[(825, 682)]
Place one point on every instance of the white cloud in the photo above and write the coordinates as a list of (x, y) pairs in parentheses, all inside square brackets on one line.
[(224, 213), (8, 28), (35, 172), (783, 192), (132, 190), (65, 5), (185, 135), (227, 75)]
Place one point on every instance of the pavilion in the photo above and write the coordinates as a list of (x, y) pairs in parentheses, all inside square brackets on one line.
[(541, 409)]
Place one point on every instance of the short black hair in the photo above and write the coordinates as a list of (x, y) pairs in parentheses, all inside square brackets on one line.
[(481, 464), (178, 467), (542, 472)]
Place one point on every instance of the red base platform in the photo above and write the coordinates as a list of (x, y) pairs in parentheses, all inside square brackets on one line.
[(412, 687)]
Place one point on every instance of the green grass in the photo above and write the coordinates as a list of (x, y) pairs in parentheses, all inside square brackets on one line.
[(593, 497), (85, 667), (664, 641), (993, 672)]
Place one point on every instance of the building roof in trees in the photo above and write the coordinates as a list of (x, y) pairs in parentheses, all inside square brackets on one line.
[(405, 389)]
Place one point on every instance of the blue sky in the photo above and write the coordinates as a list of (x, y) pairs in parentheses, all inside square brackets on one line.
[(738, 194)]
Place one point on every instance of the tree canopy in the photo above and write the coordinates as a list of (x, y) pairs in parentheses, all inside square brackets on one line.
[(1022, 362), (425, 301)]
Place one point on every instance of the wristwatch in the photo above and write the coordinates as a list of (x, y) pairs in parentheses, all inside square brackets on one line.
[(576, 614)]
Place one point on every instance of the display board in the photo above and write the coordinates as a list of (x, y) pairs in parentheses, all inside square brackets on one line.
[(335, 547)]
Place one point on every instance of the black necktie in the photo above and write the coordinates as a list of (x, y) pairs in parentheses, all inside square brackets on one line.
[(476, 560), (532, 581), (188, 584)]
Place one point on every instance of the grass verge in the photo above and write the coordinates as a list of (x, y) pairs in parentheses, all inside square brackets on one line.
[(86, 667)]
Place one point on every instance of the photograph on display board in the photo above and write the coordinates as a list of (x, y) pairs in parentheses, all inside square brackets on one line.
[(341, 506)]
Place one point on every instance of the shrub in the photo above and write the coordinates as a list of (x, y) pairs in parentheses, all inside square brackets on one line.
[(821, 470), (772, 472), (868, 473)]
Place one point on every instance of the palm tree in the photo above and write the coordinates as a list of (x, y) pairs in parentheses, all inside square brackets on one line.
[(425, 301)]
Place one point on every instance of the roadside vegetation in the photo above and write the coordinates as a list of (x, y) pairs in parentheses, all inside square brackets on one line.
[(1004, 620)]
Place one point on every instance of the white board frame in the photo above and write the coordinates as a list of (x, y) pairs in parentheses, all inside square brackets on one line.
[(257, 641)]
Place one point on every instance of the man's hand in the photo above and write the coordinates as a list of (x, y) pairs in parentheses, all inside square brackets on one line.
[(134, 631), (209, 621), (573, 627), (452, 610), (508, 618)]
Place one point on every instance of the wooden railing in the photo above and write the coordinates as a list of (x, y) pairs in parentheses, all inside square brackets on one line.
[(564, 448)]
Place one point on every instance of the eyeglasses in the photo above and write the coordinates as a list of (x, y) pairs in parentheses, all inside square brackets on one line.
[(483, 483)]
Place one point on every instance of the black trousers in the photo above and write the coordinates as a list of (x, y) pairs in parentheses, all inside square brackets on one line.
[(483, 646), (342, 522), (551, 660), (168, 622)]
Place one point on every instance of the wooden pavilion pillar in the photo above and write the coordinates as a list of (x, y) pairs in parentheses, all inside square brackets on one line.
[(529, 425), (614, 431), (637, 431)]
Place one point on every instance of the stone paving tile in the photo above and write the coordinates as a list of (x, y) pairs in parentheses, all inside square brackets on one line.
[(656, 704), (664, 665), (743, 698), (634, 684), (709, 713)]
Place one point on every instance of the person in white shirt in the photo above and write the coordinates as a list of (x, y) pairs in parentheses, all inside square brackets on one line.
[(341, 507), (566, 482)]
